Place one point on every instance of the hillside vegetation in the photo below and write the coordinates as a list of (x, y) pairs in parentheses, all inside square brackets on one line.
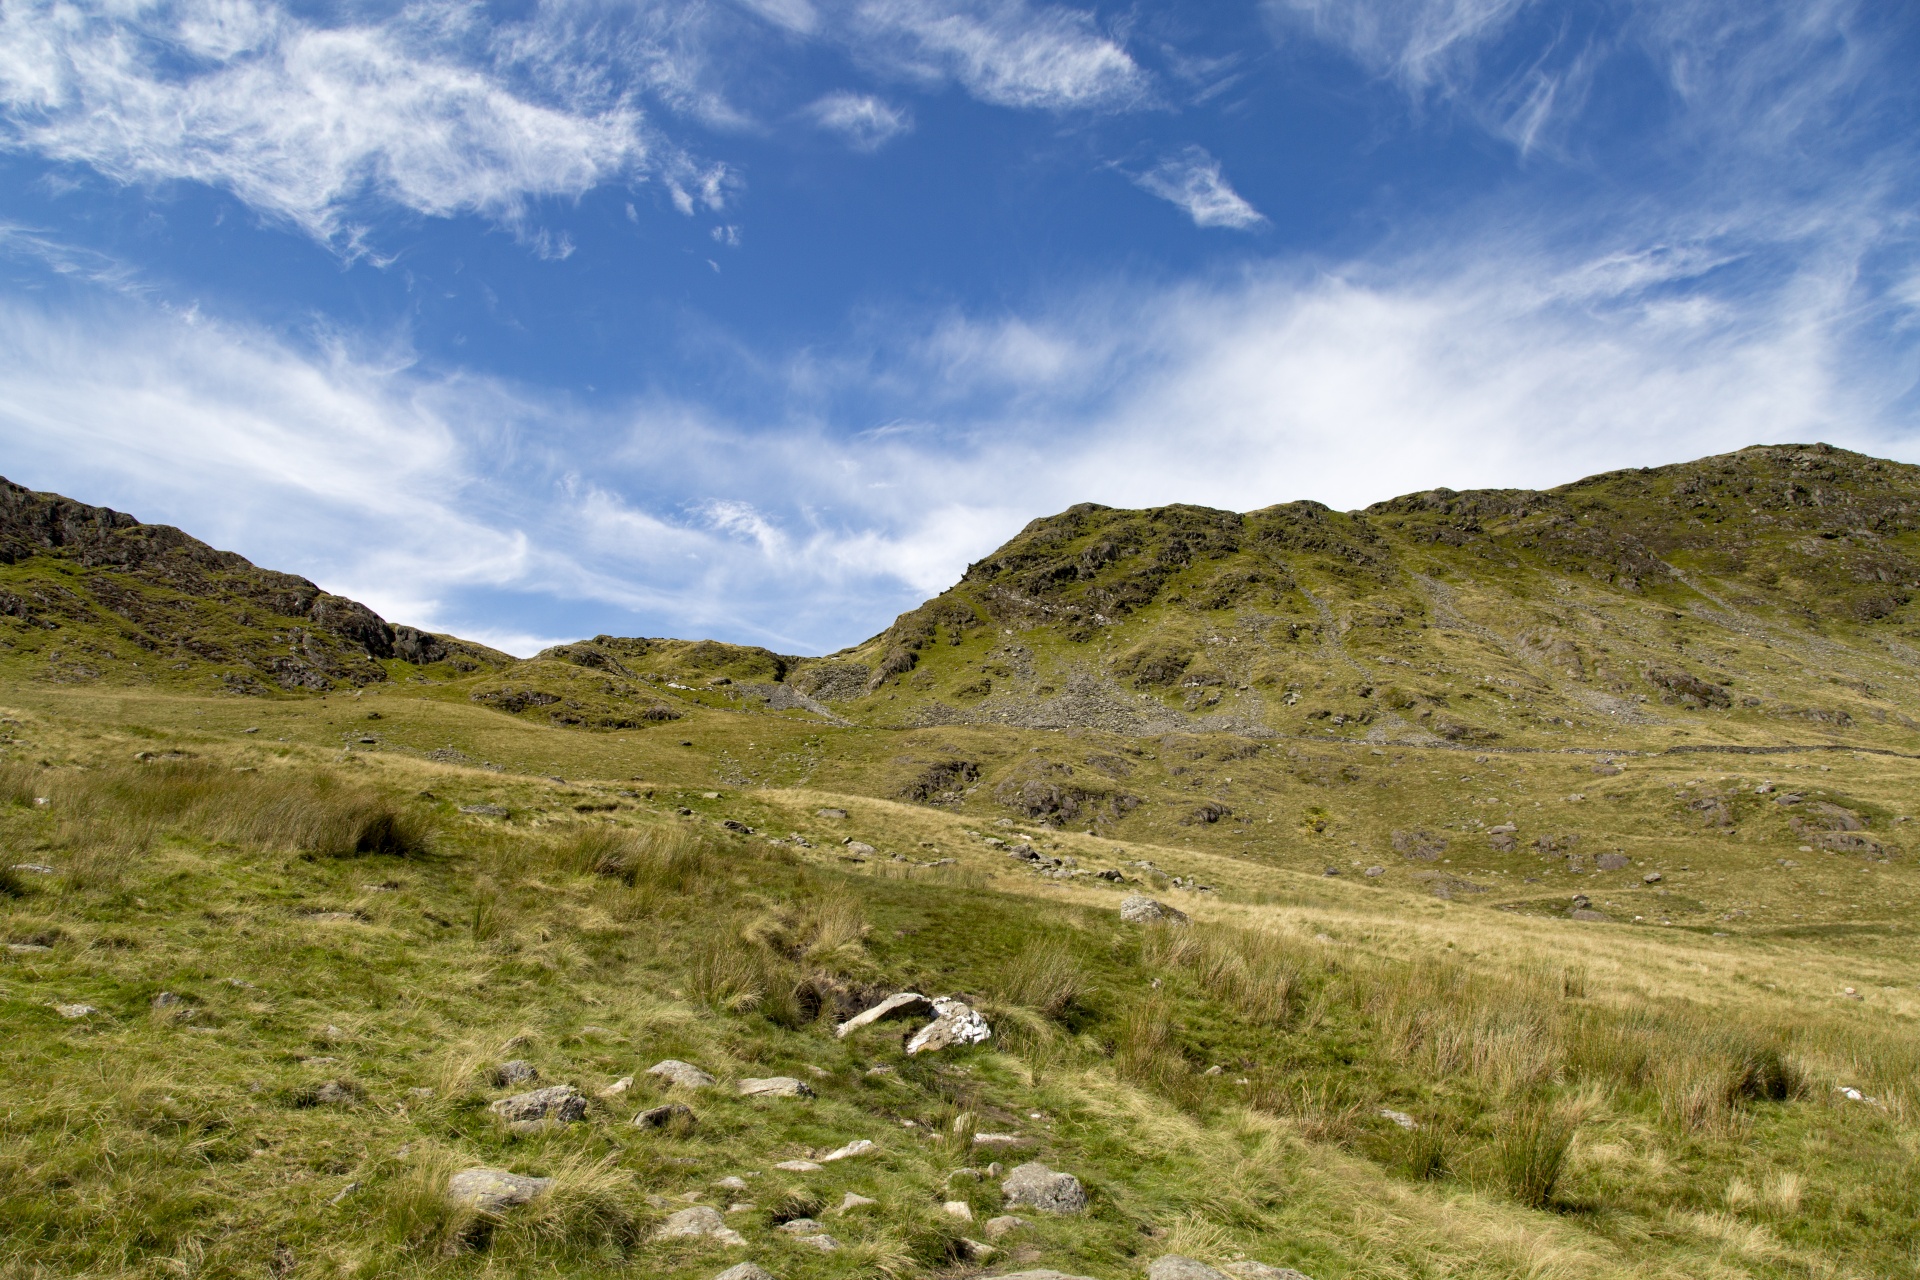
[(1545, 858)]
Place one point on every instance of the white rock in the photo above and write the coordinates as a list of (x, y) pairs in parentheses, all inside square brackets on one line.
[(699, 1221), (798, 1166), (1251, 1270), (75, 1010), (858, 1147), (618, 1087), (853, 1200), (776, 1087), (491, 1190), (1039, 1187), (956, 1024), (1400, 1118), (684, 1074), (997, 1139), (958, 1209), (745, 1271), (904, 1004), (732, 1183), (1137, 908)]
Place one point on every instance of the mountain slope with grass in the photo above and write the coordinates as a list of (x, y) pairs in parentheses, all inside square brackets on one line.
[(90, 594)]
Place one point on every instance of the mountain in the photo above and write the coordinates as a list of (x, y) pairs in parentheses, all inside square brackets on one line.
[(89, 594), (1754, 596)]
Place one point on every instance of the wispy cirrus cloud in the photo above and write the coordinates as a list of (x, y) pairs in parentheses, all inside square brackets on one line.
[(1006, 52), (1192, 180), (868, 123)]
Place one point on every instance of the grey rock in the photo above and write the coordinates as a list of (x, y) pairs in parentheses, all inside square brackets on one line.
[(699, 1222), (776, 1087), (519, 1071), (1041, 1275), (853, 1200), (800, 1227), (1612, 862), (1137, 908), (485, 810), (684, 1074), (491, 1190), (167, 1000), (1173, 1267), (745, 1271), (1251, 1270), (823, 1242), (957, 1024), (799, 1166), (1652, 877), (858, 1147), (903, 1004), (560, 1102), (1004, 1226), (831, 813), (1038, 1187), (661, 1117), (333, 1093)]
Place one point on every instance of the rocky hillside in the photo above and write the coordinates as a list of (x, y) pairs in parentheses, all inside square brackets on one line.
[(89, 594)]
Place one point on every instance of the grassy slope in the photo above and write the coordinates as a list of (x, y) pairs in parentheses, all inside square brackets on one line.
[(174, 1143)]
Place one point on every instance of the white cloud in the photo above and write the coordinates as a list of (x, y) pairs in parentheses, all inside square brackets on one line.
[(1420, 43), (1005, 52), (1193, 181), (866, 122), (794, 15), (300, 121)]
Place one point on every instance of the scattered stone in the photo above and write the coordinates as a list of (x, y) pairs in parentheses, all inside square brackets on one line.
[(618, 1087), (75, 1010), (684, 1074), (1251, 1270), (1612, 862), (958, 1209), (732, 1182), (745, 1271), (1400, 1118), (1137, 908), (858, 1147), (1041, 1275), (853, 1200), (334, 1093), (997, 1140), (37, 868), (1652, 877), (1608, 769), (904, 1004), (974, 1251), (1039, 1187), (957, 1024), (661, 1117), (491, 1190), (799, 1166), (699, 1222), (486, 810), (560, 1102), (830, 813), (26, 948), (1005, 1225), (800, 1227), (823, 1242), (776, 1087), (1372, 872), (519, 1071), (1173, 1267)]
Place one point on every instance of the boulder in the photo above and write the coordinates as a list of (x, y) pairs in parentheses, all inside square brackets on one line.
[(956, 1024), (492, 1190), (1173, 1267), (1250, 1270), (745, 1271), (661, 1117), (684, 1074), (560, 1102), (1038, 1187), (1137, 908), (831, 813), (1612, 862), (775, 1087), (697, 1223), (904, 1004)]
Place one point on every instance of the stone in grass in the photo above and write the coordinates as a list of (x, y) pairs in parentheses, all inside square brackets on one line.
[(798, 1166), (1612, 862), (1005, 1225), (661, 1117), (854, 1200), (1041, 1275), (1250, 1270), (618, 1087), (858, 1147), (958, 1209), (519, 1071), (775, 1087), (903, 1004), (1137, 908), (699, 1222), (560, 1102), (492, 1190), (1400, 1118), (1038, 1187), (75, 1010), (732, 1182), (684, 1074), (1174, 1267), (975, 1251), (957, 1024), (745, 1271), (334, 1093)]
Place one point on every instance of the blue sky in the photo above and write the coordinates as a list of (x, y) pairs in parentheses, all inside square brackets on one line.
[(761, 319)]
